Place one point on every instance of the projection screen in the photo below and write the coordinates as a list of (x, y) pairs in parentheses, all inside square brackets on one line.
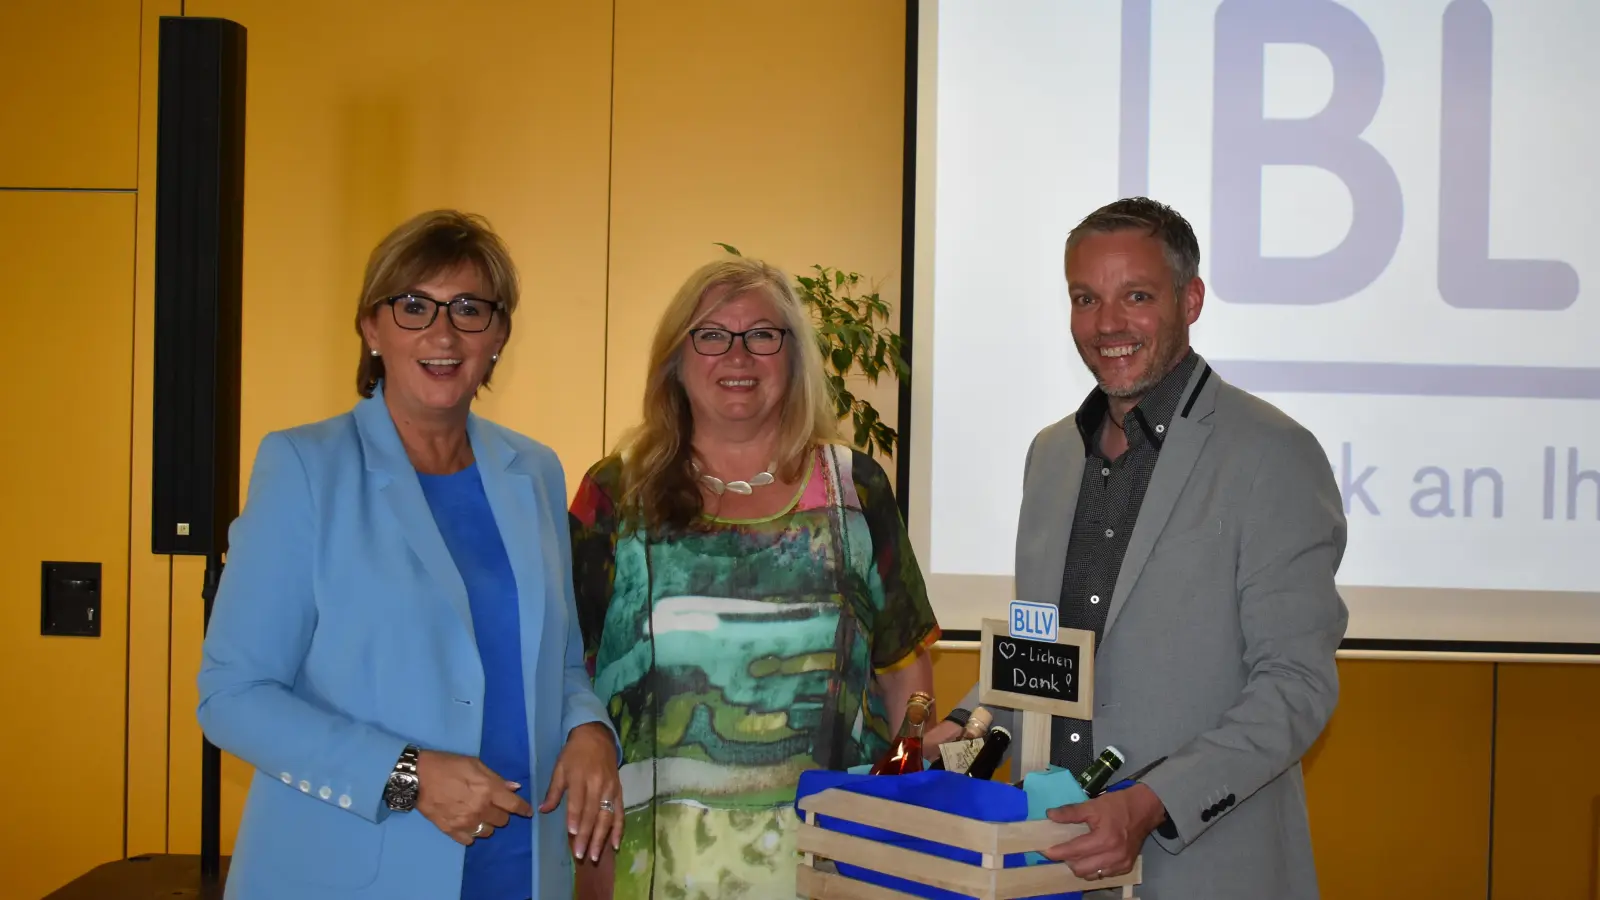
[(1398, 207)]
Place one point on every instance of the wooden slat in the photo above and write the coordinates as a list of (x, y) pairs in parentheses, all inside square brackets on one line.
[(1056, 878), (903, 818), (815, 885), (1037, 836), (897, 861)]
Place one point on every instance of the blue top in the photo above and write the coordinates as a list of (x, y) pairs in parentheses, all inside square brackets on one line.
[(501, 866)]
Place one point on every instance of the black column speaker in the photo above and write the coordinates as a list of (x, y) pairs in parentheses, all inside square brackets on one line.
[(198, 271)]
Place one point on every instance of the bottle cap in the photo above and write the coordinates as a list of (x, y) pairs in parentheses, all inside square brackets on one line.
[(1121, 757)]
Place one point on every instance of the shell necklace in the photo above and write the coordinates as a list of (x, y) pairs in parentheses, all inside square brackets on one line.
[(719, 487)]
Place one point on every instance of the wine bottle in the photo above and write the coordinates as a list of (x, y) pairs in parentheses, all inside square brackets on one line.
[(1095, 778), (989, 755), (977, 726), (905, 754)]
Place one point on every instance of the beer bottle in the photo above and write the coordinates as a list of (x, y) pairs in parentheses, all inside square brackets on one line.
[(1095, 778)]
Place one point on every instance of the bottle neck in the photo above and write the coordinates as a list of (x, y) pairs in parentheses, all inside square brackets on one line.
[(916, 719)]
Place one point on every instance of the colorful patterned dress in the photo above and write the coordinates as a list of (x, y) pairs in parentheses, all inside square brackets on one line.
[(735, 656)]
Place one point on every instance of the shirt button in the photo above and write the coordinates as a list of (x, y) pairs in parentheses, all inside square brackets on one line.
[(1094, 598), (344, 801), (1161, 429), (286, 778), (1106, 471), (305, 787), (1110, 533), (1076, 737), (324, 792)]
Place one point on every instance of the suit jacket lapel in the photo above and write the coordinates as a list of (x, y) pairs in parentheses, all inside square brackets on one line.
[(1186, 436), (397, 479), (1050, 495), (517, 497)]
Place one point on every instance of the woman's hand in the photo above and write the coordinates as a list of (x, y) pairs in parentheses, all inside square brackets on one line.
[(934, 735), (463, 798), (586, 770)]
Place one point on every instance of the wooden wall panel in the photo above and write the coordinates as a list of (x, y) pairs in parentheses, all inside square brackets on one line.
[(64, 477), (149, 575), (1547, 783), (71, 93)]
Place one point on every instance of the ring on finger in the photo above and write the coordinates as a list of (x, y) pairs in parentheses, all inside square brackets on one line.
[(478, 832), (1099, 874), (608, 806)]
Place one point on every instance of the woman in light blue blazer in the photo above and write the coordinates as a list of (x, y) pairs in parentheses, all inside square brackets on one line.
[(394, 645)]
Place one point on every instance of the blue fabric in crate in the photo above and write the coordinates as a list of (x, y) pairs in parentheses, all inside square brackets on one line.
[(986, 801)]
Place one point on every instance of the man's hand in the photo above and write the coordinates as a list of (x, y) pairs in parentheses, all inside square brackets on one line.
[(1118, 824)]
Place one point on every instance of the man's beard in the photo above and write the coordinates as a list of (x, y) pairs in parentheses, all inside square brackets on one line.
[(1172, 344)]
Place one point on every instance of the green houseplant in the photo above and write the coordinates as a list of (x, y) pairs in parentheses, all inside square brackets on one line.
[(854, 336)]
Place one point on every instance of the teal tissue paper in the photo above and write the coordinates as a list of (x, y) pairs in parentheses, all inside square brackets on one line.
[(1047, 790)]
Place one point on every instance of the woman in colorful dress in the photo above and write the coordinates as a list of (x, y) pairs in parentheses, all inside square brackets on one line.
[(750, 603)]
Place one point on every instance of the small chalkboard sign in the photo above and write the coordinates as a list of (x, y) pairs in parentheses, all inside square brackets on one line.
[(1038, 676)]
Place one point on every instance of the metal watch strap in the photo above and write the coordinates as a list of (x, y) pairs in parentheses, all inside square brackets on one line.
[(407, 763)]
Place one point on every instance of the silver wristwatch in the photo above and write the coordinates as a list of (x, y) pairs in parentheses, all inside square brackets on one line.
[(400, 794)]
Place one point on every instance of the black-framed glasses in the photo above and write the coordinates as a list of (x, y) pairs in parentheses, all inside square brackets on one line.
[(415, 312), (763, 341)]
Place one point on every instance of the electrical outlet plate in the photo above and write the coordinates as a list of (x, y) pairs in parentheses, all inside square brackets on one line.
[(70, 599)]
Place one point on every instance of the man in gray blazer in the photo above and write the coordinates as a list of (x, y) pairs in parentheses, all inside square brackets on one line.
[(1196, 530)]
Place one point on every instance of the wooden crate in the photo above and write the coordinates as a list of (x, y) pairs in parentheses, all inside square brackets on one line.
[(987, 880)]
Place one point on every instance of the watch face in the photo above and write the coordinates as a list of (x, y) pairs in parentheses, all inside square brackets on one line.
[(402, 792)]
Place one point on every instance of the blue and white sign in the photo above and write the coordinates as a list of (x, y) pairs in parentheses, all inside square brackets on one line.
[(1034, 621)]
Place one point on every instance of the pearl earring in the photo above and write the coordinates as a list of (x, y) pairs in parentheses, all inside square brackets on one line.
[(374, 353), (494, 358)]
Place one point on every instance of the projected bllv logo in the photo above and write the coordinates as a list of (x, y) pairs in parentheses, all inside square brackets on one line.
[(1244, 141)]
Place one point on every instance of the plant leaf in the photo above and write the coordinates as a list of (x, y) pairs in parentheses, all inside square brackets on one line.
[(842, 359), (728, 247)]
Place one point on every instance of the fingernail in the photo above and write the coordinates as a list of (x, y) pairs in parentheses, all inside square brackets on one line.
[(514, 786), (573, 829), (594, 857), (577, 854)]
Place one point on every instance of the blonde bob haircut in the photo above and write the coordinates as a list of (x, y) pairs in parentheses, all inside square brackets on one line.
[(659, 487), (426, 245)]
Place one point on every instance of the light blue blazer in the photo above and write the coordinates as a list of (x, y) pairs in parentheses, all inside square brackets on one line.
[(341, 632)]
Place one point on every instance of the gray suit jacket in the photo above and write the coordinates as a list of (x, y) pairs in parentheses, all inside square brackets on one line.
[(1219, 644)]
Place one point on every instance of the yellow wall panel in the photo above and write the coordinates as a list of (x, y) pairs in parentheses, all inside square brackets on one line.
[(149, 575), (1546, 784), (64, 477), (954, 673), (69, 79), (363, 113), (1398, 785), (775, 127)]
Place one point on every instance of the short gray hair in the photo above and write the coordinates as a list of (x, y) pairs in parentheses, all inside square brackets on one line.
[(1159, 221)]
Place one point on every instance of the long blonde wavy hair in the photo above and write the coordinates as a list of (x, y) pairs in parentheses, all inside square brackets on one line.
[(659, 487)]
